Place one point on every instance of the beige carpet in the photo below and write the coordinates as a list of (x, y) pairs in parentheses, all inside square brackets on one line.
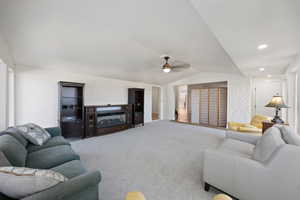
[(162, 159)]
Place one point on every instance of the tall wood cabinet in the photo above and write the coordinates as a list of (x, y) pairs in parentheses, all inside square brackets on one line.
[(71, 109), (136, 98)]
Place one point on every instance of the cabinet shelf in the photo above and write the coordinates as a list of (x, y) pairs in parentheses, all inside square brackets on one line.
[(71, 109)]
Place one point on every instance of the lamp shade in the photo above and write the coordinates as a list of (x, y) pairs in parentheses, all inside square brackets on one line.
[(276, 102)]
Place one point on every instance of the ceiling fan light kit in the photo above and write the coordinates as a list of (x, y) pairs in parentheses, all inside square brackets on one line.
[(174, 68), (166, 67), (166, 70)]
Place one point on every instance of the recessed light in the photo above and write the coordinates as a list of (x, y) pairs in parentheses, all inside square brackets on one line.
[(262, 46), (261, 69), (269, 75)]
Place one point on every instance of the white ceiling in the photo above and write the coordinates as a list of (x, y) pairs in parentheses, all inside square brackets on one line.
[(242, 25), (125, 39), (112, 38)]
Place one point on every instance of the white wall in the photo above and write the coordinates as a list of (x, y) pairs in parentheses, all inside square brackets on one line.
[(155, 99), (291, 99), (293, 93), (3, 96), (37, 94), (263, 91), (239, 95), (5, 62), (5, 55)]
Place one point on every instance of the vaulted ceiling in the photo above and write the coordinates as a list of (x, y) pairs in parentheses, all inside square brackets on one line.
[(125, 39), (241, 26)]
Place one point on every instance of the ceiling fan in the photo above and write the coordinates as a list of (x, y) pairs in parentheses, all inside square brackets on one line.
[(174, 68)]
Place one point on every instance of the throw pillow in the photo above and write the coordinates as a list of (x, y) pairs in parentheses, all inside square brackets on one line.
[(34, 133), (21, 182), (17, 134), (269, 142), (3, 160), (289, 135)]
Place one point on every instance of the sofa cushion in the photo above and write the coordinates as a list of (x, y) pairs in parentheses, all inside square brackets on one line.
[(289, 135), (3, 160), (54, 141), (16, 134), (54, 131), (13, 150), (51, 157), (237, 148), (70, 169), (268, 144), (34, 133), (21, 182)]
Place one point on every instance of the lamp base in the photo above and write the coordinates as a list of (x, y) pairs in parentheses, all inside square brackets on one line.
[(277, 120)]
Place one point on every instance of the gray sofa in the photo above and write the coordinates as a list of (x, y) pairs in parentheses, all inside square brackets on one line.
[(56, 154), (232, 169)]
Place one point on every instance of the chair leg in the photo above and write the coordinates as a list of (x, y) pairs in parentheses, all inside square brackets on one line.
[(206, 187)]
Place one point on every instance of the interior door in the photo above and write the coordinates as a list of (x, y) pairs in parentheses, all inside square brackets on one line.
[(203, 106), (222, 107), (213, 107), (195, 105), (182, 103), (263, 92)]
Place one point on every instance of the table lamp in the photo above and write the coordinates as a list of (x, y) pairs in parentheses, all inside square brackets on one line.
[(277, 103)]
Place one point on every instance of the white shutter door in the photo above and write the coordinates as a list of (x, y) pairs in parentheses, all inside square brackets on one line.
[(223, 107), (195, 95), (213, 106), (203, 106)]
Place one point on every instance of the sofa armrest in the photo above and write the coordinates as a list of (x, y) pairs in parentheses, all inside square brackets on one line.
[(54, 131), (244, 137), (68, 188), (224, 169)]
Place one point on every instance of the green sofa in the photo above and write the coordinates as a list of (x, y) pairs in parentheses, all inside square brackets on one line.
[(56, 154)]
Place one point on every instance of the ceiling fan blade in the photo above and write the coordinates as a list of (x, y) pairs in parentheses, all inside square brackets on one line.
[(177, 70), (184, 66)]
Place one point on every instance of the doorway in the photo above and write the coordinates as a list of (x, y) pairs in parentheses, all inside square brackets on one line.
[(181, 113), (207, 104), (156, 103), (264, 90)]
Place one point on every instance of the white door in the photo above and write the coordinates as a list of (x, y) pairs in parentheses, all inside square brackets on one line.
[(204, 104), (264, 90), (213, 107), (195, 101)]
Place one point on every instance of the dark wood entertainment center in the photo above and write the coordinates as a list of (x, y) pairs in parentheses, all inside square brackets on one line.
[(79, 121), (101, 120), (136, 98), (70, 109)]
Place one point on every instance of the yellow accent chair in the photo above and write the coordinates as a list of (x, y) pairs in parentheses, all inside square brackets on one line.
[(255, 125)]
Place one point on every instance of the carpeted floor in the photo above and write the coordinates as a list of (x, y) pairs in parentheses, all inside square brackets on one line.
[(162, 159)]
